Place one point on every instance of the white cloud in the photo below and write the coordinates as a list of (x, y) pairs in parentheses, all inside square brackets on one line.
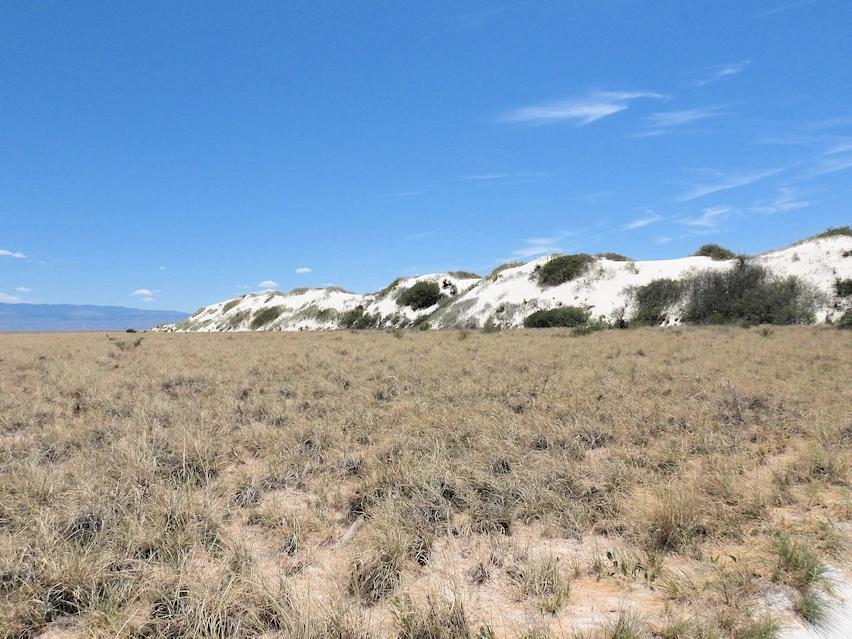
[(147, 299), (727, 182), (786, 201), (268, 284), (162, 268), (645, 221), (142, 291), (11, 254), (583, 111), (676, 118), (542, 245), (832, 165), (303, 269), (23, 289), (663, 240), (710, 217), (10, 299), (723, 72)]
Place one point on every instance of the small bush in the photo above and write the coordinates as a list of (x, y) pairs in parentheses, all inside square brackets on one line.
[(227, 307), (715, 252), (845, 321), (843, 288), (464, 275), (615, 257), (356, 318), (654, 299), (562, 268), (436, 620), (421, 295), (747, 294), (387, 289), (566, 316), (265, 316), (833, 231), (502, 267)]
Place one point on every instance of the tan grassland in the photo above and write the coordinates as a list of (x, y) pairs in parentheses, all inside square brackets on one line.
[(685, 482)]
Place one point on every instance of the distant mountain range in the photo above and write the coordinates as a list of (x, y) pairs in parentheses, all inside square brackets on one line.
[(605, 287), (71, 317)]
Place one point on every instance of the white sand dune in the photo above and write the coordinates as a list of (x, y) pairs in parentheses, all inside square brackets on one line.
[(507, 297)]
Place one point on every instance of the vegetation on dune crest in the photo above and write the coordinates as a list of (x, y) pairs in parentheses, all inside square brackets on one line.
[(715, 252), (502, 267), (420, 295), (266, 316), (561, 269)]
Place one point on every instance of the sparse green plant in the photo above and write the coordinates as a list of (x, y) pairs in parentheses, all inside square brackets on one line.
[(715, 252), (502, 267), (490, 326), (266, 316), (843, 288), (561, 269), (357, 318), (231, 305), (614, 257), (654, 299), (125, 345), (812, 606), (564, 316), (798, 564), (543, 578), (464, 275), (845, 321), (420, 295)]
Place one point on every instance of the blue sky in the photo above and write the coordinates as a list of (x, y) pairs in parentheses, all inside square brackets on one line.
[(175, 154)]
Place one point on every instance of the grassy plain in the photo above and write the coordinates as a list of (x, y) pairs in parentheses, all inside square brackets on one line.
[(672, 483)]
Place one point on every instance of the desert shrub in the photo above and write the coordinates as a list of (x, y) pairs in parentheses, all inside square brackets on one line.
[(833, 231), (421, 295), (299, 290), (568, 316), (562, 268), (502, 267), (615, 257), (266, 315), (438, 619), (337, 289), (715, 252), (387, 289), (843, 288), (227, 307), (357, 318), (747, 294), (238, 318), (654, 299), (845, 321), (464, 275)]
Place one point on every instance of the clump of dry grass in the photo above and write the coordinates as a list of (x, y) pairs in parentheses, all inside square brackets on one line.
[(204, 484)]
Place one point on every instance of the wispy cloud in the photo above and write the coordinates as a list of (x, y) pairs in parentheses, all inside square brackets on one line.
[(302, 269), (725, 183), (417, 236), (662, 240), (11, 254), (10, 299), (787, 200), (542, 245), (668, 119), (142, 291), (831, 165), (23, 289), (724, 71), (162, 268), (268, 284), (650, 218), (147, 299), (710, 217), (582, 111), (784, 7), (409, 193)]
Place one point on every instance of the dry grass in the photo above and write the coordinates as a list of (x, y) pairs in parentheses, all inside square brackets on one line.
[(512, 484)]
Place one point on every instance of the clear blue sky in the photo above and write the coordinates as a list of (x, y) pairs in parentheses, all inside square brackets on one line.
[(191, 151)]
